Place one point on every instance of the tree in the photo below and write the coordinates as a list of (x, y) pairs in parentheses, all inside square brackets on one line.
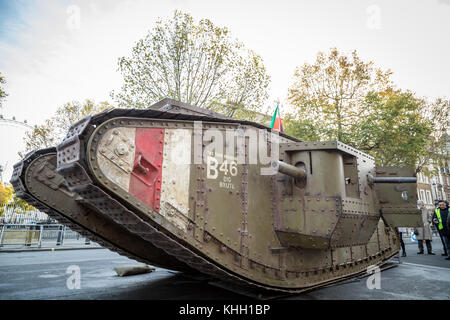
[(393, 130), (54, 129), (20, 205), (343, 98), (9, 198), (6, 193), (3, 94), (196, 63), (304, 129), (437, 112), (329, 94)]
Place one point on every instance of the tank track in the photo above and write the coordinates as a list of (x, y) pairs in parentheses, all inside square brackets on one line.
[(75, 170), (22, 191)]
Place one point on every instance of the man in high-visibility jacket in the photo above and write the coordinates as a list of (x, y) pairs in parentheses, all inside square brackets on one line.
[(440, 218)]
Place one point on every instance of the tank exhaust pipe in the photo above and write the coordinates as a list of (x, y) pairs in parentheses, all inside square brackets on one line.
[(290, 170)]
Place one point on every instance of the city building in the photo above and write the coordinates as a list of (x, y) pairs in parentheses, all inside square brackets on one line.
[(437, 184)]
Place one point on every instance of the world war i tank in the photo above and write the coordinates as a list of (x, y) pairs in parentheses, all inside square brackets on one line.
[(188, 189)]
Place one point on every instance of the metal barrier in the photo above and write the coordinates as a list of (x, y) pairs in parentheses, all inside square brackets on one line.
[(20, 234), (39, 234)]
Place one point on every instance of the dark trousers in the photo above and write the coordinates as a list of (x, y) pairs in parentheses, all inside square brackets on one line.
[(446, 240), (428, 243), (402, 244), (444, 243)]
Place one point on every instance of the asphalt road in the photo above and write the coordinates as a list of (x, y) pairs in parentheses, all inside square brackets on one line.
[(43, 275)]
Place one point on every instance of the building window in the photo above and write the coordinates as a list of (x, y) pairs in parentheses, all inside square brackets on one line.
[(429, 200), (422, 196), (426, 179)]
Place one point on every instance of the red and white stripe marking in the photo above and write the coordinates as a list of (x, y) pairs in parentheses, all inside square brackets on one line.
[(152, 165)]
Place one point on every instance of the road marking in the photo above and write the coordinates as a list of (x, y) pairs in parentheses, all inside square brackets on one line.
[(424, 265)]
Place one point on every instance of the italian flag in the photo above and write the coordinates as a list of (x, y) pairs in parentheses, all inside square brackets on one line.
[(276, 121)]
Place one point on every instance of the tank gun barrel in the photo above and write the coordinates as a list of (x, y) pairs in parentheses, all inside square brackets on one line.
[(290, 170), (373, 179)]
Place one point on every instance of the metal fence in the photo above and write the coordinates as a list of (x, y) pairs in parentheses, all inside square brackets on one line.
[(40, 235), (35, 229)]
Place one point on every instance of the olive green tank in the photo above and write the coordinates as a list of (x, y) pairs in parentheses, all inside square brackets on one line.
[(191, 190)]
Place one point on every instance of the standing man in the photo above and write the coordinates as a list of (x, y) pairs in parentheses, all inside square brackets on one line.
[(440, 219), (424, 233), (400, 232), (435, 227)]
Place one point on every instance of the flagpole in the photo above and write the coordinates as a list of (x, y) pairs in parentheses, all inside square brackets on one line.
[(281, 122)]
